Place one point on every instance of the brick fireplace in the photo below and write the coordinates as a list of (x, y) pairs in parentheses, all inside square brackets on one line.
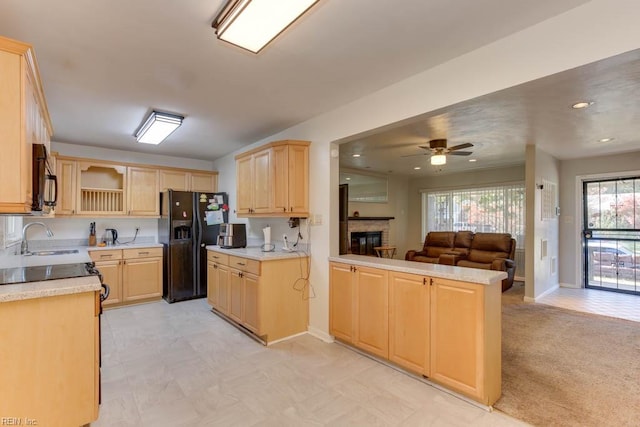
[(369, 232)]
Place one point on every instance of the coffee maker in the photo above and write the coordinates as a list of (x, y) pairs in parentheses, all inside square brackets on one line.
[(232, 236)]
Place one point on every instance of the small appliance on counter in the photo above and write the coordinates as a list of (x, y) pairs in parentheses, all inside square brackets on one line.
[(232, 236)]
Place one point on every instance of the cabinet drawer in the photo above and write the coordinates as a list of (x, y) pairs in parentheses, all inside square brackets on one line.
[(245, 264), (106, 255), (142, 253), (218, 257)]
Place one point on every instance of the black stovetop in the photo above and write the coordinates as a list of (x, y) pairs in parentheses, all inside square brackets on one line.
[(9, 276)]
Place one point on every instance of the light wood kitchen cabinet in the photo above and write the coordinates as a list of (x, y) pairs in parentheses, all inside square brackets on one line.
[(273, 180), (66, 173), (409, 309), (110, 266), (341, 298), (142, 274), (218, 281), (133, 275), (185, 180), (447, 330), (24, 119), (361, 312), (465, 338), (101, 188), (143, 191), (203, 182), (50, 360), (262, 295)]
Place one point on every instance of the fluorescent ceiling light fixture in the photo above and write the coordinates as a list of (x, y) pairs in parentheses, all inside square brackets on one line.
[(252, 24), (438, 159), (157, 127)]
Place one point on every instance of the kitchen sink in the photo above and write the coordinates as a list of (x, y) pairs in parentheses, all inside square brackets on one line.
[(58, 252)]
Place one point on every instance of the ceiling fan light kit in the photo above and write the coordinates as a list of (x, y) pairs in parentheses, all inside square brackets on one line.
[(438, 159), (253, 24)]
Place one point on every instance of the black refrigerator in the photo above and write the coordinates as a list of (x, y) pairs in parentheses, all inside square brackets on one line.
[(189, 222)]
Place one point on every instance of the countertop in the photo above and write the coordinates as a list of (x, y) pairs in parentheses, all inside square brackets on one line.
[(463, 274), (49, 288), (256, 253), (11, 261)]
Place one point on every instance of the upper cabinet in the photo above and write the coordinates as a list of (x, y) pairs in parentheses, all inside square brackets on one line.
[(185, 180), (273, 180), (24, 120), (97, 188)]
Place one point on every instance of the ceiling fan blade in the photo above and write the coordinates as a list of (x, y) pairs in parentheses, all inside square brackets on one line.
[(461, 146), (461, 153)]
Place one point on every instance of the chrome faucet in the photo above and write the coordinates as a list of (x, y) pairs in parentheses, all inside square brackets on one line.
[(24, 247)]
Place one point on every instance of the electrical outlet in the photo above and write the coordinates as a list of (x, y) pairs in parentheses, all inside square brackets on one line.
[(315, 219)]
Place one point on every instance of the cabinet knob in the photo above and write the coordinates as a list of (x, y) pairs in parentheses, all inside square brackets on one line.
[(284, 209)]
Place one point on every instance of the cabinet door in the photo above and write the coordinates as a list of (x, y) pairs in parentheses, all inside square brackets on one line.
[(244, 185), (142, 278), (213, 284), (280, 173), (174, 180), (235, 295), (143, 191), (372, 310), (111, 275), (251, 305), (204, 182), (262, 185), (224, 277), (341, 301), (298, 185), (409, 321), (456, 335), (66, 173)]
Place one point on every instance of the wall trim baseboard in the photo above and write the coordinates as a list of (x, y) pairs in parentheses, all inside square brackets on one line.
[(542, 295), (287, 338), (320, 334), (570, 285)]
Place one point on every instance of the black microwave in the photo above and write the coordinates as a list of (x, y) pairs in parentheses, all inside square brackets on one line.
[(44, 182)]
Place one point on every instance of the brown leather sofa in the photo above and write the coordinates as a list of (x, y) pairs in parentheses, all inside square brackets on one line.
[(489, 251)]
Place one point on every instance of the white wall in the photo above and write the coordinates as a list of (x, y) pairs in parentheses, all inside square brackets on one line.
[(571, 174), (541, 271), (574, 38)]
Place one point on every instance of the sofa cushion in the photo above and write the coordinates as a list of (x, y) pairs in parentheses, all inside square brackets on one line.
[(462, 242), (487, 257), (471, 264), (442, 239), (435, 251), (492, 242), (422, 258)]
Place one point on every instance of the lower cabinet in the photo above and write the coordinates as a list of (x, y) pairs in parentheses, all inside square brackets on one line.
[(50, 360), (261, 296), (133, 275), (447, 330)]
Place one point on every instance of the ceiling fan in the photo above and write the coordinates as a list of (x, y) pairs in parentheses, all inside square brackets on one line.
[(439, 151)]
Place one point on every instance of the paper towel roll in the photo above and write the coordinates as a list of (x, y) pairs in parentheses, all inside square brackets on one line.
[(267, 235)]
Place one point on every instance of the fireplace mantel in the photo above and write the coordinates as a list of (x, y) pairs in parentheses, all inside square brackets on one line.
[(370, 218)]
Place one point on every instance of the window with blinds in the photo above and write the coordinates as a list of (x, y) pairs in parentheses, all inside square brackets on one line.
[(499, 209)]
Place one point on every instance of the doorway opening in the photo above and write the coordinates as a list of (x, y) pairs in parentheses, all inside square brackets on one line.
[(611, 235)]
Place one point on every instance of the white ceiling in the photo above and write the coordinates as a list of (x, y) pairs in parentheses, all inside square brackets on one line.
[(106, 63)]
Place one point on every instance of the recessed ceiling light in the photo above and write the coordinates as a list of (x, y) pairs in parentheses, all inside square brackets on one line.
[(356, 155), (582, 104), (416, 168), (606, 139), (348, 178), (473, 160)]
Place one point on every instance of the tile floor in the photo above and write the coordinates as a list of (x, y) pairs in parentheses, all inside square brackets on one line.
[(612, 304), (180, 365)]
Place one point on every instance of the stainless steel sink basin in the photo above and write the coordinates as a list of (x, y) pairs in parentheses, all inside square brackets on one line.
[(58, 252)]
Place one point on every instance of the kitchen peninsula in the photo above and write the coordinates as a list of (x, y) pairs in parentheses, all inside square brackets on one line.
[(437, 321)]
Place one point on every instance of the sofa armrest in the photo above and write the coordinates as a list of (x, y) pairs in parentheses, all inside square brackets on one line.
[(501, 264), (410, 255), (449, 258)]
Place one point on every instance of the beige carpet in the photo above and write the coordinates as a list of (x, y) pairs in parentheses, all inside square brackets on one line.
[(566, 368)]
